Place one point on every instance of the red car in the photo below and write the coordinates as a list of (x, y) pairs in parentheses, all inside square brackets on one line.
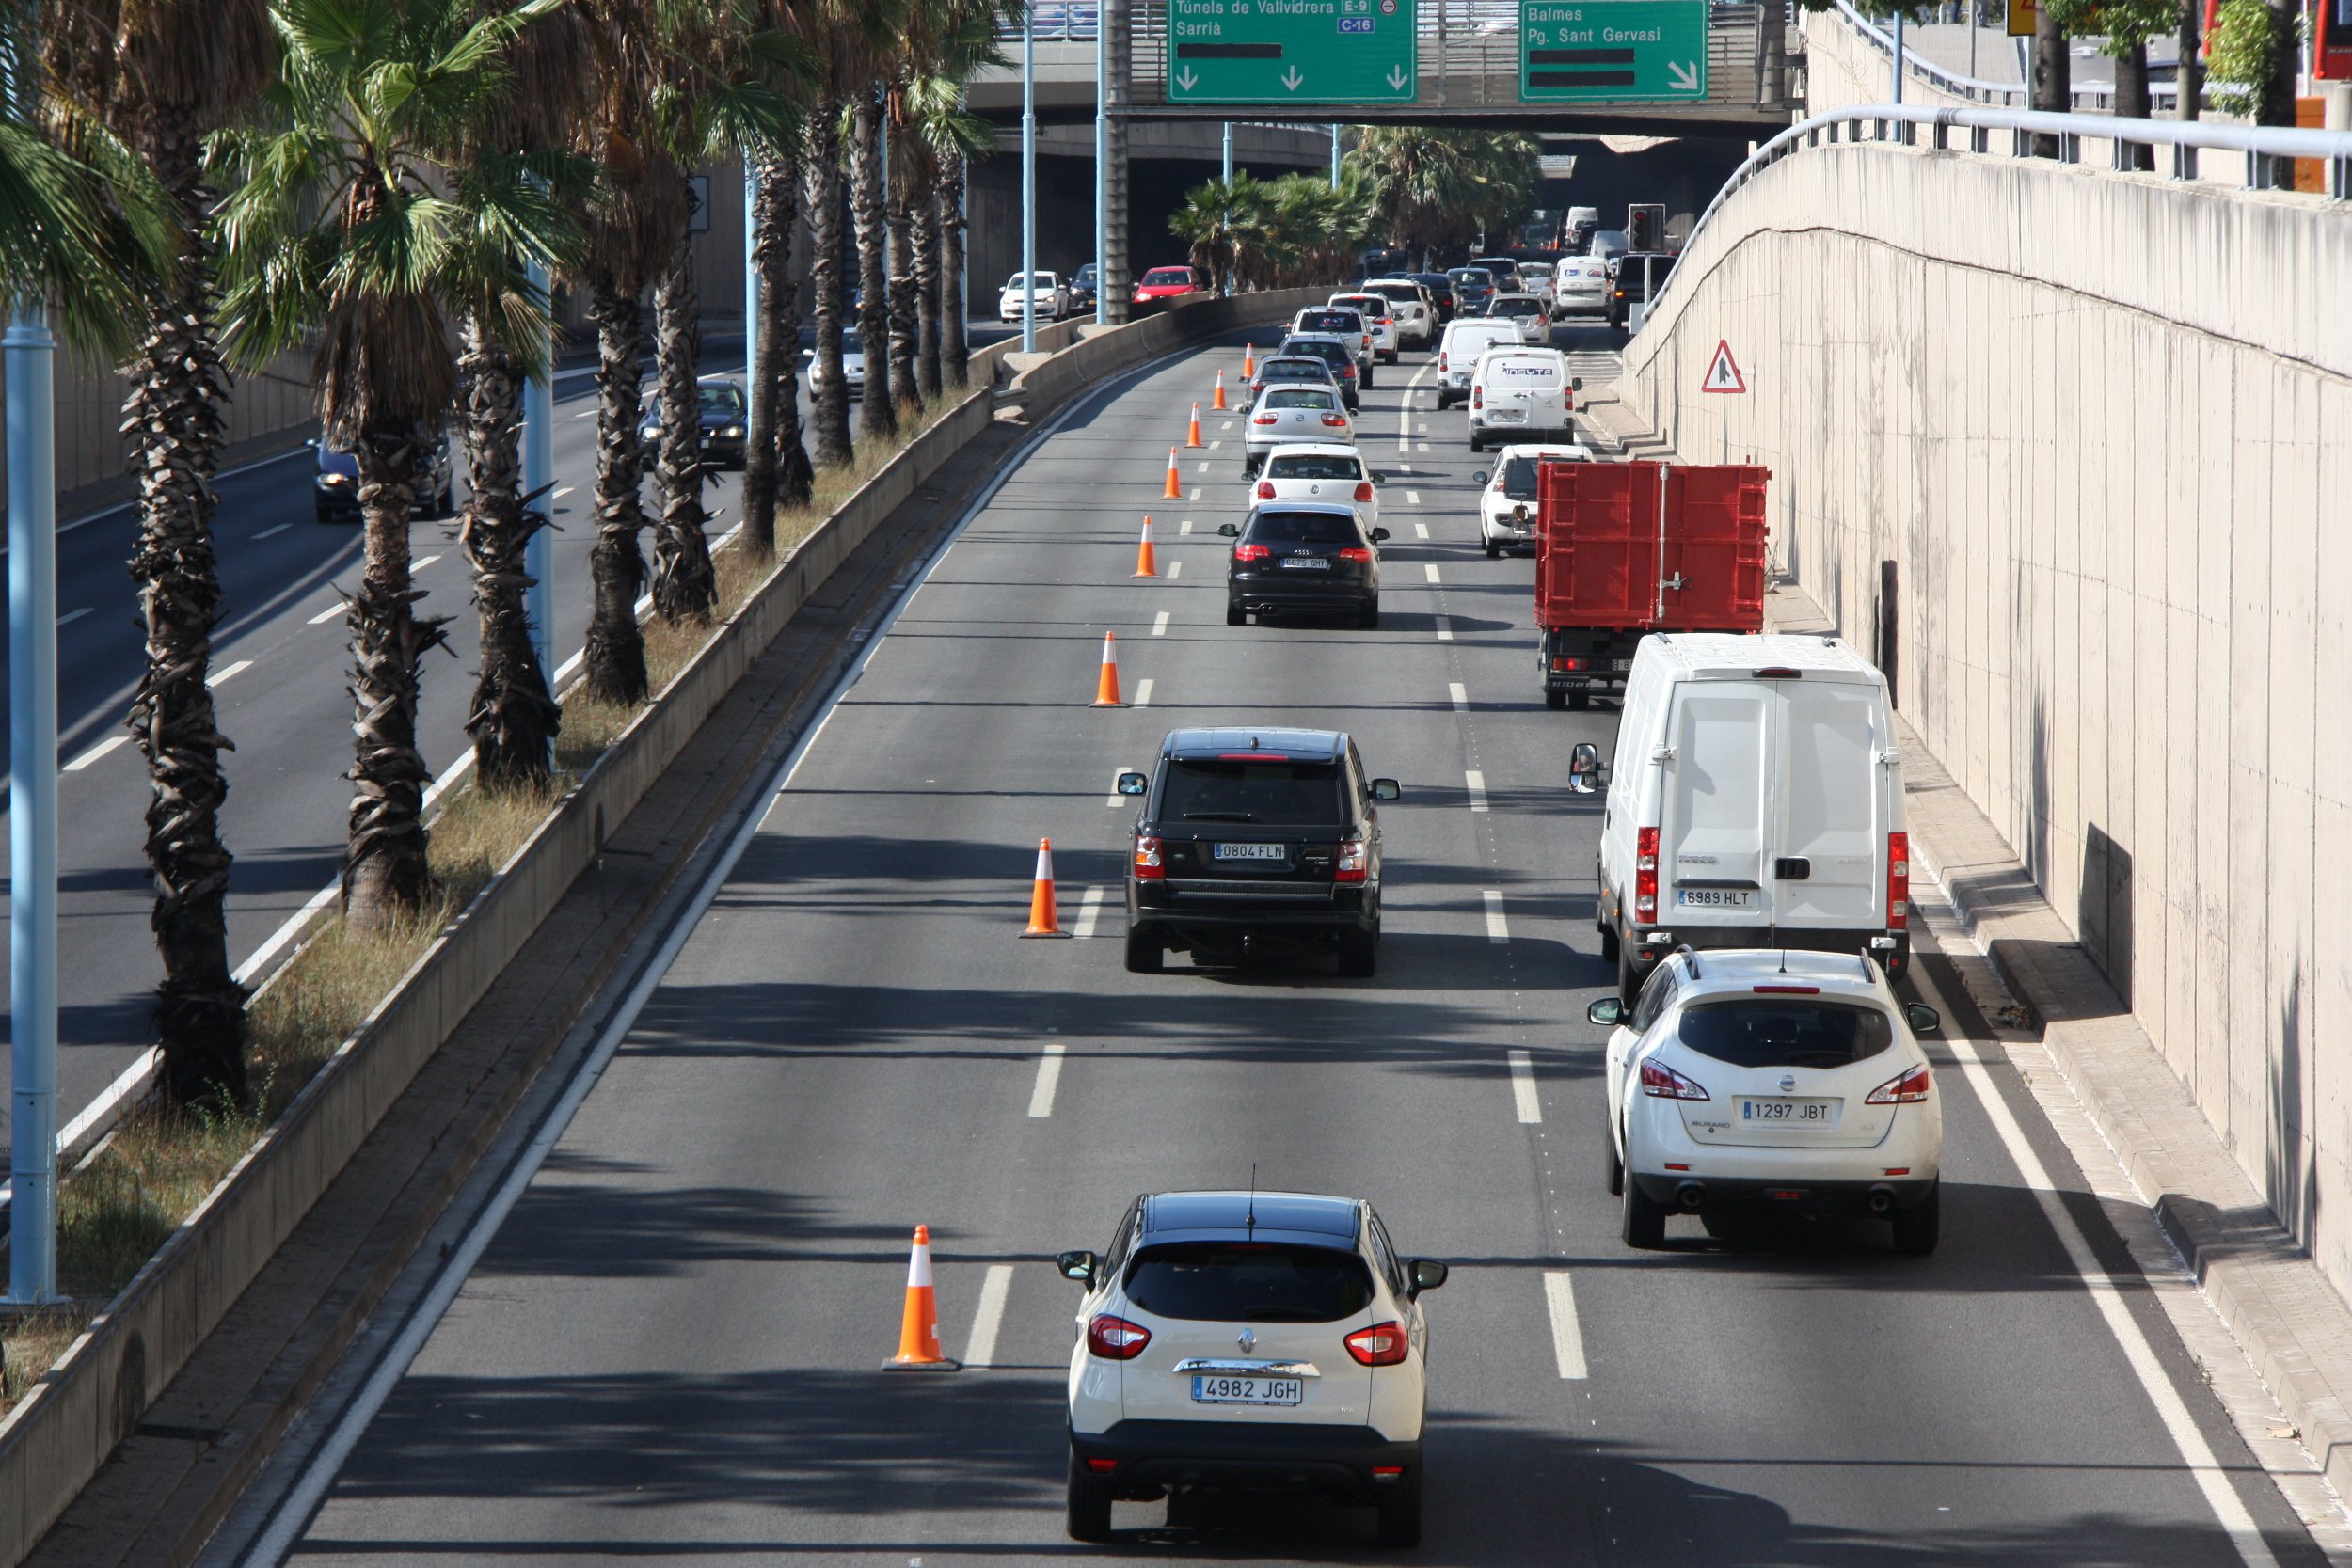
[(1165, 283)]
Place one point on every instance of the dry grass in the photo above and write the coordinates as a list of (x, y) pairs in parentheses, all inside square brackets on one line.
[(123, 1202)]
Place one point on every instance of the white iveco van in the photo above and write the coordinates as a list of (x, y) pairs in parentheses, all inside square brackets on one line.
[(1755, 800)]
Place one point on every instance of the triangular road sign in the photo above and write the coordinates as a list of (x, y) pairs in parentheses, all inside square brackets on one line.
[(1722, 374)]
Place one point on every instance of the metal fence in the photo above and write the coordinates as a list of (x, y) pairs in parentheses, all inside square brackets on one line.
[(2097, 98)]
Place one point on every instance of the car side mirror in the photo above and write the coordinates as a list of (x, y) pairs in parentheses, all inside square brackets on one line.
[(1584, 767), (1230, 531), (1426, 1274), (1386, 789), (1481, 477), (1133, 784), (1576, 384), (1378, 534), (1924, 1018), (1608, 1012), (1078, 1266)]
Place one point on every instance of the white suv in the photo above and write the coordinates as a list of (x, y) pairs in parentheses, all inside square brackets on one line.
[(1747, 1080), (1269, 1341)]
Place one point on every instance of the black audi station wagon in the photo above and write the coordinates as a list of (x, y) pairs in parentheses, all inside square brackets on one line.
[(1310, 557)]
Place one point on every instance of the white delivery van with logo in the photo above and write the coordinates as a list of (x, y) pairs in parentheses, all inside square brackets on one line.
[(1520, 394), (1755, 800)]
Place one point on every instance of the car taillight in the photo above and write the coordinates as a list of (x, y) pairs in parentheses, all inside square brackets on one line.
[(1265, 489), (1250, 552), (1337, 422), (1351, 553), (1381, 1346), (1149, 867), (1497, 483), (1355, 861), (1264, 419), (1646, 875), (1256, 386), (1908, 1089), (1478, 396), (1898, 881), (1664, 1083), (1115, 1338), (1363, 490), (1441, 361)]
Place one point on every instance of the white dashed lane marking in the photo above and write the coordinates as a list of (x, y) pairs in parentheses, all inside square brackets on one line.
[(273, 532), (1090, 910), (73, 616), (1420, 530), (1159, 624), (995, 1285), (1185, 526), (1476, 781), (1431, 567), (1568, 1340), (1048, 1079), (1412, 498), (222, 678), (1175, 570), (1523, 1098), (1143, 693), (1460, 693), (1445, 629), (326, 615)]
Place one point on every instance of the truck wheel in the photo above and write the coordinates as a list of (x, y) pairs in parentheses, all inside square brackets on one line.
[(1144, 954), (1089, 1516), (1555, 700), (1579, 700)]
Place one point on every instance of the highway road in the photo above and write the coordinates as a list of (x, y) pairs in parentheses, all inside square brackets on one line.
[(668, 1350), (279, 664)]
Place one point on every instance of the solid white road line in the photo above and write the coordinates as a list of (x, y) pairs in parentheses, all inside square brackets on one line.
[(423, 562), (73, 616), (1498, 928), (1420, 530), (1568, 1341), (1175, 570), (1143, 693), (2196, 1453), (1412, 498), (1460, 693), (1090, 910), (270, 532), (1477, 783), (1048, 1079), (980, 1350), (1523, 1098), (1445, 629), (1159, 624), (326, 615), (222, 678), (96, 751), (1431, 567)]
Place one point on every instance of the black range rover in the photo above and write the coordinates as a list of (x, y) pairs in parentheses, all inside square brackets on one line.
[(1253, 840)]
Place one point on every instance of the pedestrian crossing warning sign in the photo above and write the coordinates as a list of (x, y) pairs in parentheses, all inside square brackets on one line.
[(1722, 374)]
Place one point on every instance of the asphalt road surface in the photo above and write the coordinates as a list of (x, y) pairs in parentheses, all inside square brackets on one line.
[(280, 661), (669, 1350)]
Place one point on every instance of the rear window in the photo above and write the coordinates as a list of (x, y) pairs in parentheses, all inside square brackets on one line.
[(1297, 397), (1470, 274), (1516, 304), (1313, 466), (1329, 353), (1329, 320), (1161, 277), (1397, 293), (1373, 304), (1273, 793), (1285, 370), (1248, 1282), (1787, 1031), (1518, 479), (1303, 528)]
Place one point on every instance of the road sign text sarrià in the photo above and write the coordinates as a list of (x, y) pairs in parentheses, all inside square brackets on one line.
[(1291, 51)]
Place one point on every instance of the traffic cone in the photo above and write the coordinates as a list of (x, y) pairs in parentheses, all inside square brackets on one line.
[(1044, 919), (1217, 404), (919, 1329), (1192, 436), (1107, 689), (1175, 490), (1248, 362), (1147, 565)]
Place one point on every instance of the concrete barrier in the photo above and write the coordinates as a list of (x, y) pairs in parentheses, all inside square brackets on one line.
[(55, 1440)]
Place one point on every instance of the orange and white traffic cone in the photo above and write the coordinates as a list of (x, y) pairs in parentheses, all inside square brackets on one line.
[(1044, 919), (918, 1328), (1106, 689), (1146, 564), (1248, 362), (1175, 490), (1217, 404), (1192, 436)]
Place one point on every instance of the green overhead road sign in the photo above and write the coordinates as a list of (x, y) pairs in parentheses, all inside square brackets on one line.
[(1612, 51), (1292, 50)]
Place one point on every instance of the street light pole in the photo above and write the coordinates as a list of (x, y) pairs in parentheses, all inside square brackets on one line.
[(1229, 199), (1899, 54), (1029, 178), (751, 271), (1335, 157)]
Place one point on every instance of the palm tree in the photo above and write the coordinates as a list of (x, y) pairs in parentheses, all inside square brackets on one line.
[(357, 225), (955, 349), (878, 415), (1429, 189), (829, 390), (930, 131), (776, 469)]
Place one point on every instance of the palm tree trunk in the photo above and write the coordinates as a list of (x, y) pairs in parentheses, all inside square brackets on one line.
[(924, 242), (830, 393), (174, 415), (2053, 75), (2131, 100), (615, 656), (903, 327), (514, 720), (878, 414), (775, 465), (386, 874), (955, 349), (685, 589)]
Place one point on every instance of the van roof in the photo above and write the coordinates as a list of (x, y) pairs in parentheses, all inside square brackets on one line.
[(1730, 655)]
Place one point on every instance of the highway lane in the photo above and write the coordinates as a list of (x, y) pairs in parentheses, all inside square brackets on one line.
[(669, 1349), (280, 661)]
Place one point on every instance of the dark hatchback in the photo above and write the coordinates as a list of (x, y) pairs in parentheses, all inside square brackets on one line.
[(1333, 352), (1252, 841), (1639, 274), (724, 415), (1441, 285), (1304, 557), (1473, 287), (335, 488)]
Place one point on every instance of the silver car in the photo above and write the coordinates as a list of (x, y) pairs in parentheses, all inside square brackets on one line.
[(1289, 414)]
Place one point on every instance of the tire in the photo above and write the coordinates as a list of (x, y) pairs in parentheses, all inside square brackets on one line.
[(1360, 953), (1555, 700), (1400, 1511), (1915, 1229), (1612, 1167), (1644, 1219), (1608, 943), (1145, 956), (1090, 1511), (1236, 616), (1494, 551), (447, 506), (1368, 369), (1477, 442), (1629, 979), (1579, 701), (1368, 616), (1445, 401)]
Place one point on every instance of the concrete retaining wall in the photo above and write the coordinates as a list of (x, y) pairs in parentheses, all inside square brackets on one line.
[(2101, 427), (53, 1441)]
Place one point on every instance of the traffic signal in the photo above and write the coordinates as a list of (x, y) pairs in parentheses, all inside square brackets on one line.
[(1646, 226)]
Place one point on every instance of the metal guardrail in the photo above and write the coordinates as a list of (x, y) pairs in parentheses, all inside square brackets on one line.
[(1976, 89), (1058, 22), (1898, 123)]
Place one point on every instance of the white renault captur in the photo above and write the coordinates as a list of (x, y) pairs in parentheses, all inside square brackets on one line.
[(1320, 471), (1259, 1341), (1757, 1079)]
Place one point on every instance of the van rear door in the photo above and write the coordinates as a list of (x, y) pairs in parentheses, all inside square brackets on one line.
[(1712, 835), (1831, 837)]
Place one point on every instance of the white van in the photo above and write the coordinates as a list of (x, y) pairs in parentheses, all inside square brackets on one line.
[(1516, 393), (1467, 338), (1757, 800)]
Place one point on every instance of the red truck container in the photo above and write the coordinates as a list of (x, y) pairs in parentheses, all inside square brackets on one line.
[(1623, 549)]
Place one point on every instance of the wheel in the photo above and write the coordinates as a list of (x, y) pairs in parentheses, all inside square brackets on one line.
[(1368, 616), (1236, 615), (1915, 1229), (1645, 1219), (1494, 551), (1628, 977), (1579, 700), (1144, 954), (1368, 377), (1477, 442), (1607, 942), (447, 506), (1360, 953), (1612, 1167), (1400, 1510), (1089, 1505), (1445, 401), (1555, 700)]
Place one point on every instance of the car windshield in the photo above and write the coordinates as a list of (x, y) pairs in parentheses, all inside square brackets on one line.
[(1299, 397), (1313, 466), (1303, 528), (1273, 793), (1329, 320), (1787, 1031), (1084, 274), (1518, 479), (1470, 274), (1248, 1282), (723, 400), (1161, 278)]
